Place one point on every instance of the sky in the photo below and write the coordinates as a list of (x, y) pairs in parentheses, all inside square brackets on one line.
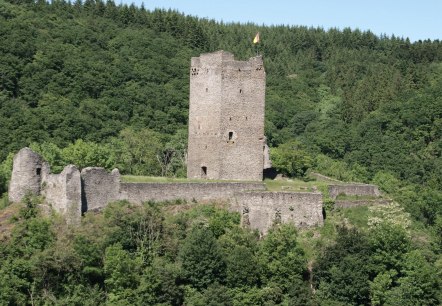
[(415, 19)]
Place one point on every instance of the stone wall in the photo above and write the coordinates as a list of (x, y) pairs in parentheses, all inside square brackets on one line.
[(226, 118), (63, 192), (71, 193), (99, 187), (26, 175), (354, 190), (140, 192), (260, 210)]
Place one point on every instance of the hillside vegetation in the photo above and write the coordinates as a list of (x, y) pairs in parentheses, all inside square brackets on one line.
[(96, 84)]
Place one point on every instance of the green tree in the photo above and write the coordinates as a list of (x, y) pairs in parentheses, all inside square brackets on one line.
[(201, 258), (283, 260), (122, 275), (290, 159)]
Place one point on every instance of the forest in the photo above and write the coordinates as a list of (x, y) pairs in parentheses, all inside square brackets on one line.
[(95, 83)]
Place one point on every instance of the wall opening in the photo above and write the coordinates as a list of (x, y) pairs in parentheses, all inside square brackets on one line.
[(240, 91), (203, 171), (38, 171), (207, 89), (230, 135)]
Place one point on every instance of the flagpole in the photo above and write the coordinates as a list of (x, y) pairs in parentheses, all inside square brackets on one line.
[(256, 42)]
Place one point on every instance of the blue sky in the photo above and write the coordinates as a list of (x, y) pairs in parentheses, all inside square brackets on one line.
[(417, 19)]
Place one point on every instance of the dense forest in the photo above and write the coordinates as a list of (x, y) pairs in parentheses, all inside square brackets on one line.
[(100, 84)]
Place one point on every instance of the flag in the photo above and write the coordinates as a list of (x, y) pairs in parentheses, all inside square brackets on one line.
[(256, 39)]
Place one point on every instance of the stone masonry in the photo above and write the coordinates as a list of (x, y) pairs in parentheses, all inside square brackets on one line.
[(72, 193), (260, 210), (26, 175), (354, 190), (226, 118), (31, 175)]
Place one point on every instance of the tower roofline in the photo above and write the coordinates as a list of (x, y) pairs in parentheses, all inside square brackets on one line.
[(222, 56)]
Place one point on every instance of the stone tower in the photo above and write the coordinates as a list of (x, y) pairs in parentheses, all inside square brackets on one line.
[(26, 175), (226, 117)]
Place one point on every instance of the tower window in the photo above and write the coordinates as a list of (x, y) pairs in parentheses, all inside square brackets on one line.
[(207, 89), (204, 171), (38, 171), (240, 91), (230, 135)]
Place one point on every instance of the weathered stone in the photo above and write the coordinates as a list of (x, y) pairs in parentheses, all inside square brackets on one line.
[(26, 175), (260, 210), (63, 192), (99, 187), (353, 190), (141, 192), (226, 118)]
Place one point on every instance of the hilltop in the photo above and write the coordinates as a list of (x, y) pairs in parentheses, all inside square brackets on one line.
[(96, 84)]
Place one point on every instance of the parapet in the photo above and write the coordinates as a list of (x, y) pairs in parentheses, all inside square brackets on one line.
[(261, 209), (354, 190), (225, 60)]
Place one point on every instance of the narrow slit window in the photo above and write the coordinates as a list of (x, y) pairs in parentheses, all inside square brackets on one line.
[(240, 91), (38, 171), (230, 135), (204, 171)]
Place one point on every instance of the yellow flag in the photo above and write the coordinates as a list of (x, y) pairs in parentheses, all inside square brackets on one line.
[(256, 39)]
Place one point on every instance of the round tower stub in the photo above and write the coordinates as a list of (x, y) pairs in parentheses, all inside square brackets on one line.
[(26, 175)]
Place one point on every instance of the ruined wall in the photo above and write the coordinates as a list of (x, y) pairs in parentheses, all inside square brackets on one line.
[(63, 192), (26, 175), (99, 187), (260, 210), (71, 193), (354, 189), (226, 117), (140, 192)]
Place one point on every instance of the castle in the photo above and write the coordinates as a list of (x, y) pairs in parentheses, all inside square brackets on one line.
[(226, 142), (226, 118)]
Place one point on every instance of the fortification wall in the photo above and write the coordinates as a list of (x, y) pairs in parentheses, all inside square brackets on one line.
[(99, 187), (354, 189), (26, 175), (141, 192), (260, 210), (63, 192)]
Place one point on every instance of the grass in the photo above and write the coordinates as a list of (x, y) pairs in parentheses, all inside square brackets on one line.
[(162, 179), (271, 185), (342, 196), (293, 185)]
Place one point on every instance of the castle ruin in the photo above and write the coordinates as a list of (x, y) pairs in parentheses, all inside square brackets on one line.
[(226, 142), (226, 118)]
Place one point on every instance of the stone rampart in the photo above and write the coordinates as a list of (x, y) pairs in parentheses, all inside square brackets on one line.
[(140, 192), (63, 192), (26, 175), (353, 190), (260, 210), (99, 187)]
